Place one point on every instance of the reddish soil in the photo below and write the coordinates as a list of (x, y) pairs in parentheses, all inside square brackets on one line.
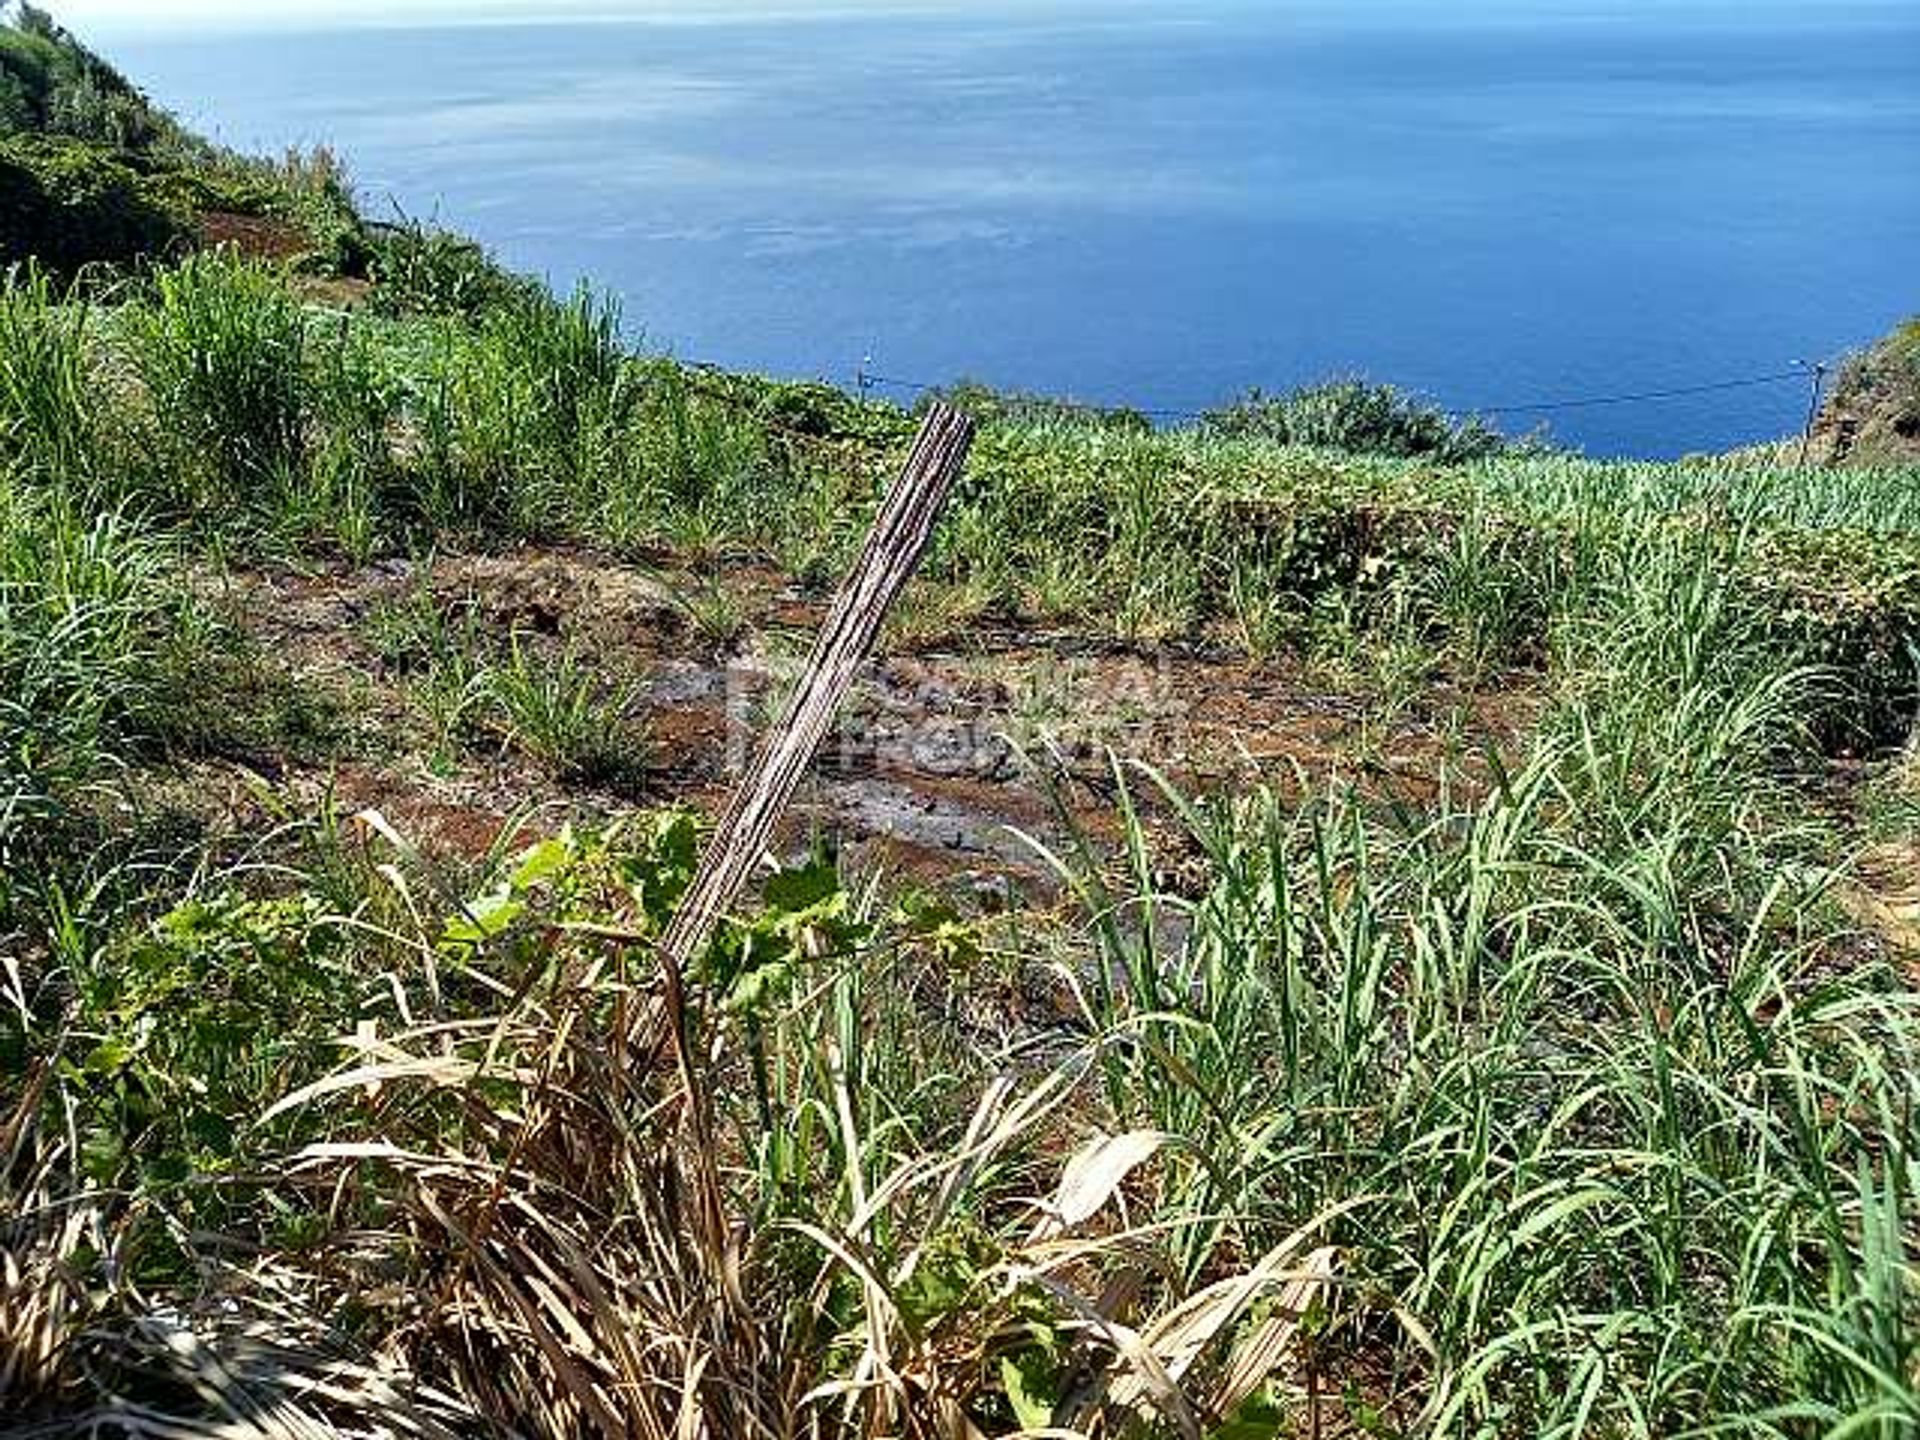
[(265, 237), (942, 760), (258, 237)]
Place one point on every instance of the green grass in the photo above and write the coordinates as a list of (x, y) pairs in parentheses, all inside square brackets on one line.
[(555, 707), (77, 593), (222, 352), (279, 430), (1603, 1107), (544, 700), (49, 410), (1620, 1105), (1569, 1099)]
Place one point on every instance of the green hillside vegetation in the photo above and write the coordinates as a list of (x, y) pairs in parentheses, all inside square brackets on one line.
[(50, 84), (1874, 414), (1499, 1021), (93, 174)]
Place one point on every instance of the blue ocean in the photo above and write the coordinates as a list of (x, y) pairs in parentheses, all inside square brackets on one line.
[(1508, 206)]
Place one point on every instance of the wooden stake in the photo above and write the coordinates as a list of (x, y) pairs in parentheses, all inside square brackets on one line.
[(893, 549), (899, 536)]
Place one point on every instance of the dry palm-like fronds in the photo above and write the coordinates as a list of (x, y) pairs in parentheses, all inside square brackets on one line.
[(244, 1369), (43, 1298), (1191, 1366), (246, 1357), (567, 1289), (572, 1285)]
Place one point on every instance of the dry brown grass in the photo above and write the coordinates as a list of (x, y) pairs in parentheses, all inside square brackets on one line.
[(580, 1274)]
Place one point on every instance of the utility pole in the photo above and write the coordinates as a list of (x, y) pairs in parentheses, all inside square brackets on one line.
[(1818, 369)]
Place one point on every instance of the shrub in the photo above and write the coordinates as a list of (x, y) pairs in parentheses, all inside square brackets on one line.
[(1019, 407), (1360, 418), (92, 171), (421, 270), (191, 1021), (311, 189), (68, 204)]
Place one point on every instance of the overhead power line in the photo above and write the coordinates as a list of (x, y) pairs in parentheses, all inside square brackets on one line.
[(867, 380), (1679, 392)]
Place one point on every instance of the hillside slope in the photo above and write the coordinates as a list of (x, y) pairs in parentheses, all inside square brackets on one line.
[(1321, 920), (1873, 415), (93, 173), (52, 84)]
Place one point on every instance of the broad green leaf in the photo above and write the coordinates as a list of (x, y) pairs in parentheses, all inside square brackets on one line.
[(1028, 1381), (485, 918), (543, 861)]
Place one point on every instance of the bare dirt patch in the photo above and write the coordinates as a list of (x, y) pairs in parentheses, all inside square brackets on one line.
[(1887, 898), (944, 760), (257, 237)]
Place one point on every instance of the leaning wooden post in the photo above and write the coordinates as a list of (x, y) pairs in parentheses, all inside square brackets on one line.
[(894, 546), (899, 536)]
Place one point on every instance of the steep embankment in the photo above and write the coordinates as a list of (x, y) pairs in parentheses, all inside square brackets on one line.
[(92, 173), (1873, 415)]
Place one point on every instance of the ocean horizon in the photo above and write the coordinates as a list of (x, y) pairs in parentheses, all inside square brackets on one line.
[(1504, 208)]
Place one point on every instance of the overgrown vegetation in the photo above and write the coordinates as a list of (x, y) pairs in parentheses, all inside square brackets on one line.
[(1874, 413), (1563, 1087), (93, 174), (51, 84), (1357, 416)]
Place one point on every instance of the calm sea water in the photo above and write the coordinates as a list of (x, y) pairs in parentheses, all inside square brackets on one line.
[(1495, 203)]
